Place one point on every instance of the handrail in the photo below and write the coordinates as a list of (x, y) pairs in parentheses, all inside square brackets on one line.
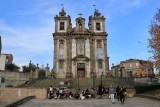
[(19, 102)]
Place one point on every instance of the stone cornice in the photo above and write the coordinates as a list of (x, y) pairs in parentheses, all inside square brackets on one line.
[(59, 34), (80, 57)]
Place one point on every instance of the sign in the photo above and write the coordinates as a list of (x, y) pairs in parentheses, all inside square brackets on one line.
[(61, 83), (81, 66)]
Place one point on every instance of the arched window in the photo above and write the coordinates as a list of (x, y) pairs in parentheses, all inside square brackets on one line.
[(7, 59), (61, 26), (98, 26)]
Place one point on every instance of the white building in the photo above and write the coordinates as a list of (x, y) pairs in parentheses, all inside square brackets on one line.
[(5, 59)]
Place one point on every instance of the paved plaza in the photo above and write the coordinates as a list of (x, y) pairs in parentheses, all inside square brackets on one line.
[(131, 102)]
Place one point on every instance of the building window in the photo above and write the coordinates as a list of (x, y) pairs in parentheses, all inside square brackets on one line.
[(98, 26), (99, 44), (137, 64), (61, 64), (100, 64), (7, 59), (61, 44), (61, 26), (130, 65)]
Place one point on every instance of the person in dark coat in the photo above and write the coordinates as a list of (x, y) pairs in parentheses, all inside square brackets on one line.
[(100, 90), (117, 92), (121, 95), (76, 96)]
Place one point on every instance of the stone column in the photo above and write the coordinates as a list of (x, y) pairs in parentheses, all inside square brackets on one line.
[(106, 56), (92, 53), (123, 72), (55, 55), (37, 72), (47, 71), (31, 74)]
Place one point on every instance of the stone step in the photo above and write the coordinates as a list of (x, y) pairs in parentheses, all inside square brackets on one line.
[(83, 82)]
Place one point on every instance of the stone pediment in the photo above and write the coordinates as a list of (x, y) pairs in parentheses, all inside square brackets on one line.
[(85, 31), (80, 58)]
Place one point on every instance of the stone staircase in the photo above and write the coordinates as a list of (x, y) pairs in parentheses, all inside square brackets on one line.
[(83, 82)]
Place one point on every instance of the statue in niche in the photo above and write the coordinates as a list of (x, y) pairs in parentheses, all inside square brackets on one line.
[(80, 25), (80, 21), (80, 48), (2, 80)]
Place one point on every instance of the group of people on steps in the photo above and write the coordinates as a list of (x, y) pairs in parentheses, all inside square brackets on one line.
[(119, 92)]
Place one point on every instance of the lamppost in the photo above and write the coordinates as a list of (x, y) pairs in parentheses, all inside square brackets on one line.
[(122, 73), (93, 76), (101, 77), (78, 80)]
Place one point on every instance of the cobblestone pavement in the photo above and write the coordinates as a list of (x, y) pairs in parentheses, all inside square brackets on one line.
[(131, 102)]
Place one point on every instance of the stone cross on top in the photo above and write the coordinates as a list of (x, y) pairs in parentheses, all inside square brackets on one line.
[(94, 6), (80, 14), (62, 6)]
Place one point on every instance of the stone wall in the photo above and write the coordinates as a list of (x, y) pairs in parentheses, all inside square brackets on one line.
[(131, 92), (144, 80), (12, 94), (14, 78)]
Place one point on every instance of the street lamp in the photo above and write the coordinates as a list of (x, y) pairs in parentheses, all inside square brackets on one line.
[(93, 76), (122, 68), (78, 80), (101, 77)]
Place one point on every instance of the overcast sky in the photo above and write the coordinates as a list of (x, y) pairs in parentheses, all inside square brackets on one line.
[(26, 27)]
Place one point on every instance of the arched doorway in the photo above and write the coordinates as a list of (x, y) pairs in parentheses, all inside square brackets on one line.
[(81, 70)]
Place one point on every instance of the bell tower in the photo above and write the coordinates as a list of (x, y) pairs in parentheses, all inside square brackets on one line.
[(61, 47), (97, 22), (62, 22), (99, 42)]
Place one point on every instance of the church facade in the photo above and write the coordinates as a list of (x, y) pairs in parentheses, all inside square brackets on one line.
[(80, 51)]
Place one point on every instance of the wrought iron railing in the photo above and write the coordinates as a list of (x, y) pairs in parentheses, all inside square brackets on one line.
[(19, 102)]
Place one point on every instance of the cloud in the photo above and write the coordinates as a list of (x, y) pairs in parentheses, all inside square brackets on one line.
[(26, 44), (123, 6), (32, 40)]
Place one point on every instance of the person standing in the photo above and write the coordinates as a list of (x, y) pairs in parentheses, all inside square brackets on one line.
[(117, 92), (100, 90), (61, 93), (51, 88), (125, 93), (111, 93), (121, 94), (50, 92)]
